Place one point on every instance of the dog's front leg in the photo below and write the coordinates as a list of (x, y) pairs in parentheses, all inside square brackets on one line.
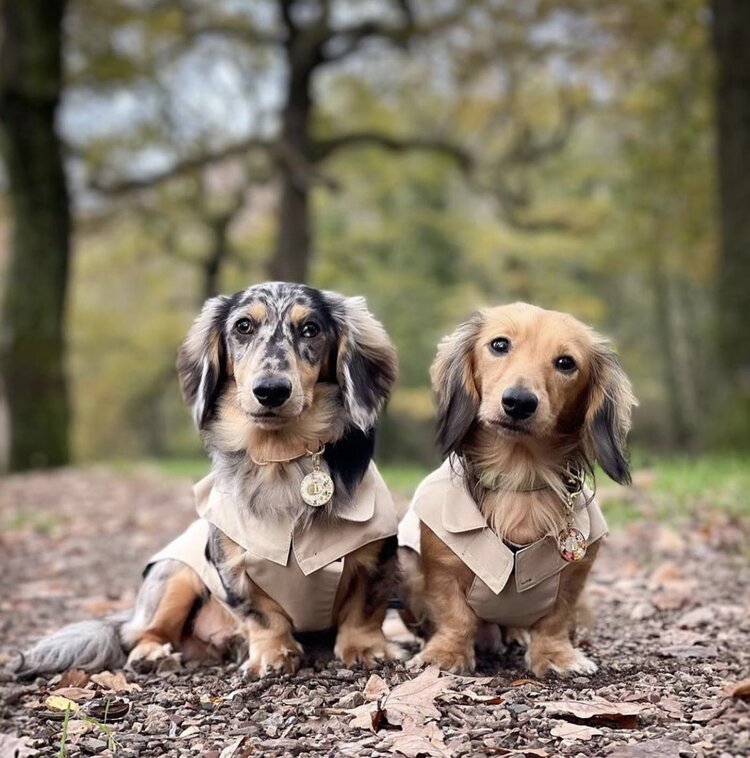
[(551, 648), (271, 644), (367, 583), (447, 583)]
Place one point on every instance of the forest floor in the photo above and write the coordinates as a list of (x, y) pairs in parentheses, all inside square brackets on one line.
[(672, 642)]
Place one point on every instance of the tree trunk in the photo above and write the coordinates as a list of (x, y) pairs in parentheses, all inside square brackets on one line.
[(291, 258), (217, 255), (32, 346), (732, 44)]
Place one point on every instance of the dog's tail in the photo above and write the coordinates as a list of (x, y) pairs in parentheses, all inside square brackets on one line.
[(89, 645)]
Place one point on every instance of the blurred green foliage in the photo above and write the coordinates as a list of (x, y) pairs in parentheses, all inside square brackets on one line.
[(615, 223)]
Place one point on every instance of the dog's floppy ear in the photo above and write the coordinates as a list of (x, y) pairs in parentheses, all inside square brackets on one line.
[(201, 359), (607, 419), (366, 363), (456, 393)]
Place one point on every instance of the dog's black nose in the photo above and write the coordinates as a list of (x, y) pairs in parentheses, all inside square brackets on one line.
[(272, 392), (519, 403)]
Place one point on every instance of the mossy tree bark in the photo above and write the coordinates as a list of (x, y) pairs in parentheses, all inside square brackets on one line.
[(732, 44), (32, 336)]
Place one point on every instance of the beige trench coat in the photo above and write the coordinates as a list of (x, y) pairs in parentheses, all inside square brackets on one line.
[(300, 569), (510, 588)]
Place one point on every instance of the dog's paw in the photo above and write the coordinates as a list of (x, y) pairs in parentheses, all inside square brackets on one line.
[(150, 650), (489, 639), (455, 661), (563, 662), (269, 657), (366, 652)]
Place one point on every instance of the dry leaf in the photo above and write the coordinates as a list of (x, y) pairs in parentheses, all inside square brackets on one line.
[(109, 709), (665, 574), (486, 699), (659, 748), (74, 693), (59, 703), (77, 727), (412, 699), (673, 707), (239, 748), (368, 716), (740, 690), (375, 688), (74, 678), (521, 682), (690, 651), (415, 740), (568, 731), (15, 747), (524, 752), (415, 698), (115, 682), (623, 714)]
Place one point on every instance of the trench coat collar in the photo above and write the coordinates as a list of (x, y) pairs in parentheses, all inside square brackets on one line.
[(445, 505), (460, 512), (272, 539)]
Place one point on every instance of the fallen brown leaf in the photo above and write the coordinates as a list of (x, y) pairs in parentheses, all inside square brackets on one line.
[(77, 727), (524, 752), (690, 651), (74, 693), (413, 699), (521, 682), (569, 731), (74, 678), (375, 688), (624, 715), (109, 709), (659, 748), (667, 573), (414, 740), (115, 682)]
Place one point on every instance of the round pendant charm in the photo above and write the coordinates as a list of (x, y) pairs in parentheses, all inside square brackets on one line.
[(317, 488), (572, 544)]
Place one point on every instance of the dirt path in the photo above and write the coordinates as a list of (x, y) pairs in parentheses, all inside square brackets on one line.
[(673, 631)]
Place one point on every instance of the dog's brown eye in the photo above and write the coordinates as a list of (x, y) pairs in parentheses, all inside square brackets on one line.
[(244, 326), (565, 364), (500, 345), (310, 329)]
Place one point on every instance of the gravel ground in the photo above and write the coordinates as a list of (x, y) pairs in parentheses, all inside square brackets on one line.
[(672, 638)]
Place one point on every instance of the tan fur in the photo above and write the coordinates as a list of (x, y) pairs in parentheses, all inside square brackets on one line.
[(516, 473), (316, 413), (320, 423), (165, 631), (298, 314), (360, 637), (256, 311)]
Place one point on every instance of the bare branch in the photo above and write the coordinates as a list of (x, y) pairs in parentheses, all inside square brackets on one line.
[(346, 40), (323, 149), (239, 31), (182, 167), (527, 148)]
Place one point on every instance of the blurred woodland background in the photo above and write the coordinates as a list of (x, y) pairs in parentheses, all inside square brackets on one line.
[(434, 155)]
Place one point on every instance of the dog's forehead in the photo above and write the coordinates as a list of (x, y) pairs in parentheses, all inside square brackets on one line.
[(278, 301), (531, 323)]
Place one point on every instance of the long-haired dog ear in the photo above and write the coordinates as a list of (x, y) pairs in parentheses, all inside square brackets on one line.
[(366, 363), (607, 419), (201, 359), (453, 383)]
